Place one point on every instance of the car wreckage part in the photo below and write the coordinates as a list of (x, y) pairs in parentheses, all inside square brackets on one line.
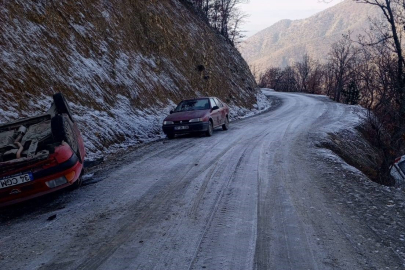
[(62, 105), (25, 139), (38, 137), (40, 154), (20, 133), (56, 182), (62, 130)]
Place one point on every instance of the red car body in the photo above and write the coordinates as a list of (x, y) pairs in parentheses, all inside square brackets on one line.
[(40, 155), (200, 115)]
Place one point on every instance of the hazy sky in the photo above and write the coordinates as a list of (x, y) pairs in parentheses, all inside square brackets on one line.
[(264, 13)]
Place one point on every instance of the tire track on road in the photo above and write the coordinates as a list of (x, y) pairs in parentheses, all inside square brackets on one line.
[(227, 213), (152, 207)]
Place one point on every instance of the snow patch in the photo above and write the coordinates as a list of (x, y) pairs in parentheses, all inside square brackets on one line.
[(262, 104)]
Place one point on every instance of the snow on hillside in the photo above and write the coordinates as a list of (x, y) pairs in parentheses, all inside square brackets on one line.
[(121, 66), (146, 126)]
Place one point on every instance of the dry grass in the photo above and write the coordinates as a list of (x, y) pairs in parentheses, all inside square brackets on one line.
[(96, 52), (356, 149)]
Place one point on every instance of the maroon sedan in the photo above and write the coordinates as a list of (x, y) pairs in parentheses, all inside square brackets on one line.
[(200, 115)]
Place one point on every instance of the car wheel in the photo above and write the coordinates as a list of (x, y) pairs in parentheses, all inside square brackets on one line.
[(79, 181), (225, 126), (210, 129), (62, 130), (62, 105), (170, 136)]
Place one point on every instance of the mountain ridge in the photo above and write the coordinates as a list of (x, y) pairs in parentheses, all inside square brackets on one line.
[(286, 41)]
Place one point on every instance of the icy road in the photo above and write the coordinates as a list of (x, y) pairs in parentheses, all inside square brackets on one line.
[(261, 195)]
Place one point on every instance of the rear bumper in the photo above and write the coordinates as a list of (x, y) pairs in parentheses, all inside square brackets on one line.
[(191, 128), (37, 187)]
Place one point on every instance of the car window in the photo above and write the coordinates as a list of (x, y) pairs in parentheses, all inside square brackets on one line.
[(193, 105), (219, 103), (213, 103)]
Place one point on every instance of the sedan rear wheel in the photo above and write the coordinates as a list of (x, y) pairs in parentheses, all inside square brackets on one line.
[(210, 129), (225, 126)]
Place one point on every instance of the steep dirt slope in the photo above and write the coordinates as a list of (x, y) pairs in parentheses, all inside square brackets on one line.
[(120, 63), (287, 41)]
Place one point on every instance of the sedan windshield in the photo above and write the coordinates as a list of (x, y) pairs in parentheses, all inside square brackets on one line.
[(193, 105)]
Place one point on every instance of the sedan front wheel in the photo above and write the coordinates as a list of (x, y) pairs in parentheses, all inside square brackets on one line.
[(225, 126), (210, 129)]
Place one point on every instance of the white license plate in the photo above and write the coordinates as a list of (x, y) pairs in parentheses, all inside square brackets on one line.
[(15, 180), (180, 127)]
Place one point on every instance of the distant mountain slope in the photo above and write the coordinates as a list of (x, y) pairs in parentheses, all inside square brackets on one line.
[(287, 41), (121, 64)]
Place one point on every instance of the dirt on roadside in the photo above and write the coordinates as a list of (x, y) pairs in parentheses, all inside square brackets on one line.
[(349, 164), (356, 148)]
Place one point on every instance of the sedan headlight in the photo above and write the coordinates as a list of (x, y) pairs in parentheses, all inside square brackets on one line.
[(195, 120), (168, 122)]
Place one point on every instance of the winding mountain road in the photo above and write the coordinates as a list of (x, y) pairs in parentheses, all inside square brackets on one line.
[(253, 197)]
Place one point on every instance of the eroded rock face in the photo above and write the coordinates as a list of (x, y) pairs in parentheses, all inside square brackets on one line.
[(121, 64)]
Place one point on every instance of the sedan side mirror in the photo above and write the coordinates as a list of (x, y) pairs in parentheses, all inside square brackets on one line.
[(171, 111), (215, 108)]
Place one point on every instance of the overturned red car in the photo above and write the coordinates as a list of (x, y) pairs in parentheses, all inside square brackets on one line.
[(40, 155)]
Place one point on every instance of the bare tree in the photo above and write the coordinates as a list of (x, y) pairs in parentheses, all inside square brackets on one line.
[(380, 77), (342, 58), (288, 80), (305, 76), (271, 78), (389, 97), (393, 12), (234, 32), (224, 16), (328, 79), (315, 79), (304, 70)]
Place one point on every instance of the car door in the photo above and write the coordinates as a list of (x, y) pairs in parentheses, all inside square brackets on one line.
[(215, 114), (222, 111)]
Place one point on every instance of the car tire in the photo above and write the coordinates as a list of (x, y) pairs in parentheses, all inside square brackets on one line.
[(62, 130), (170, 136), (78, 183), (210, 129), (62, 105), (225, 126)]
